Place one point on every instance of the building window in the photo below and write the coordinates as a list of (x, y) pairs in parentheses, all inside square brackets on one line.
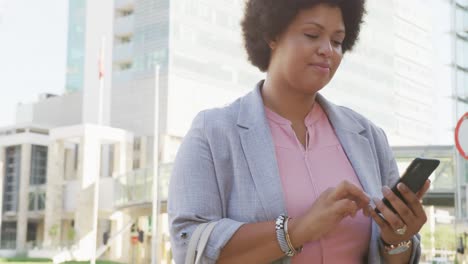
[(125, 12), (75, 156), (31, 201), (136, 164), (38, 165), (32, 233), (124, 39), (36, 200), (12, 175), (125, 66), (137, 144), (8, 235)]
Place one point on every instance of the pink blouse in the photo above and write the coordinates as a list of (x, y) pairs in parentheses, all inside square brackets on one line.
[(307, 172)]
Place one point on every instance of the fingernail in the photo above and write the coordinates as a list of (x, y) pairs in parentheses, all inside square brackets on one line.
[(402, 187), (368, 210), (365, 211), (368, 196), (371, 208), (386, 190), (376, 201)]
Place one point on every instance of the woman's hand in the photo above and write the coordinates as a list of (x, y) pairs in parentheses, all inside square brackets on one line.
[(410, 217), (332, 206)]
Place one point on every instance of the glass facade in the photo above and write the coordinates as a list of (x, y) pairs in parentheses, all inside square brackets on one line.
[(142, 34), (206, 43), (12, 177), (151, 39), (31, 232), (8, 235), (461, 53), (208, 64), (38, 165), (75, 45), (36, 200), (388, 76)]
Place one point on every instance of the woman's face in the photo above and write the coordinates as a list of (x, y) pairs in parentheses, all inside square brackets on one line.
[(306, 56)]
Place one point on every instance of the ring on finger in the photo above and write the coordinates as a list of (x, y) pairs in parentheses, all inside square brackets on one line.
[(402, 230)]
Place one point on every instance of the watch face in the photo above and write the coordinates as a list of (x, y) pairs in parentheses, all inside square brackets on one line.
[(398, 250)]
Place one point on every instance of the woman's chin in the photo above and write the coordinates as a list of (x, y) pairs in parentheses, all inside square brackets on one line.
[(312, 87)]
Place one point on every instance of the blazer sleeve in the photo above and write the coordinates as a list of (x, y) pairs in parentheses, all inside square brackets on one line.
[(391, 176), (194, 196)]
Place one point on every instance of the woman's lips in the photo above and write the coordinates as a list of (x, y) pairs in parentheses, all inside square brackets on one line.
[(321, 67)]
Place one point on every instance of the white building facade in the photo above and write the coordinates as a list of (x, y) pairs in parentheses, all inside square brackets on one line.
[(396, 76)]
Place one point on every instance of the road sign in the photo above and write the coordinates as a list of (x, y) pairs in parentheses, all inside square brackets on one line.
[(461, 136)]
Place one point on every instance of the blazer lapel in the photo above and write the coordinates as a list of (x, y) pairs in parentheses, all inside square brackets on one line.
[(356, 146), (359, 152), (257, 144)]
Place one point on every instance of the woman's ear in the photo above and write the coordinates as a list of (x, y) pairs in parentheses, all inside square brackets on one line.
[(272, 44)]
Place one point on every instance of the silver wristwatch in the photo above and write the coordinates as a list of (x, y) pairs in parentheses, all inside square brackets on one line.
[(394, 249)]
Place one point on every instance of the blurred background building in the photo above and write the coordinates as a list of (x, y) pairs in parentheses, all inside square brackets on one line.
[(408, 74)]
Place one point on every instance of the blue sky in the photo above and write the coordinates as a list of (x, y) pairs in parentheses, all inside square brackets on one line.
[(33, 38)]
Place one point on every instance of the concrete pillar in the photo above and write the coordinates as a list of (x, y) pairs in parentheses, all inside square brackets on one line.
[(69, 164), (40, 233), (23, 197), (88, 172), (106, 163), (143, 154), (121, 249), (54, 194), (129, 155), (2, 178), (120, 159), (116, 248)]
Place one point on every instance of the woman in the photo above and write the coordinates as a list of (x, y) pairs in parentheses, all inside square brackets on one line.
[(287, 174)]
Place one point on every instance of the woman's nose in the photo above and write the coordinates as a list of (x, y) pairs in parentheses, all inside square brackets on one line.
[(325, 48)]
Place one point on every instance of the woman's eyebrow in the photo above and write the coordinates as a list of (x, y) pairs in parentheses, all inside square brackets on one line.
[(323, 28)]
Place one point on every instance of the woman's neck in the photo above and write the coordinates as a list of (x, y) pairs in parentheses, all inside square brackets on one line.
[(287, 101)]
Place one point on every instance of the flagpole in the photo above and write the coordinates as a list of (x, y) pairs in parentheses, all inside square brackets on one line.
[(101, 82), (98, 176), (155, 213)]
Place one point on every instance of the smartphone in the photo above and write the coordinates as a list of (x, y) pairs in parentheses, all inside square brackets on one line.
[(414, 177)]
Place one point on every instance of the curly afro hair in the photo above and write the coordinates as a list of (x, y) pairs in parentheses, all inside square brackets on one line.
[(264, 20)]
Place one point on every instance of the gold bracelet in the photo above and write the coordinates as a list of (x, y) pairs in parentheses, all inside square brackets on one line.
[(288, 240)]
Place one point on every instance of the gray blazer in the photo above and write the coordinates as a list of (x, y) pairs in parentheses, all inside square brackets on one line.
[(226, 170)]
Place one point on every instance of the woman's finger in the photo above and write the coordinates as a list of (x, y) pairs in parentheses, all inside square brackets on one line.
[(404, 212), (344, 208), (378, 219), (346, 190), (393, 219), (413, 201), (424, 189)]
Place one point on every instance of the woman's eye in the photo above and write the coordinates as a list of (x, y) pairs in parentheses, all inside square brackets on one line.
[(337, 43), (311, 36)]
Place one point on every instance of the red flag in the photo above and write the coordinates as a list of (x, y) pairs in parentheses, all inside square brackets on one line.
[(101, 65)]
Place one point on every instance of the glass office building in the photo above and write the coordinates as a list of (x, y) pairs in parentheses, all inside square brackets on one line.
[(392, 76), (75, 45)]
